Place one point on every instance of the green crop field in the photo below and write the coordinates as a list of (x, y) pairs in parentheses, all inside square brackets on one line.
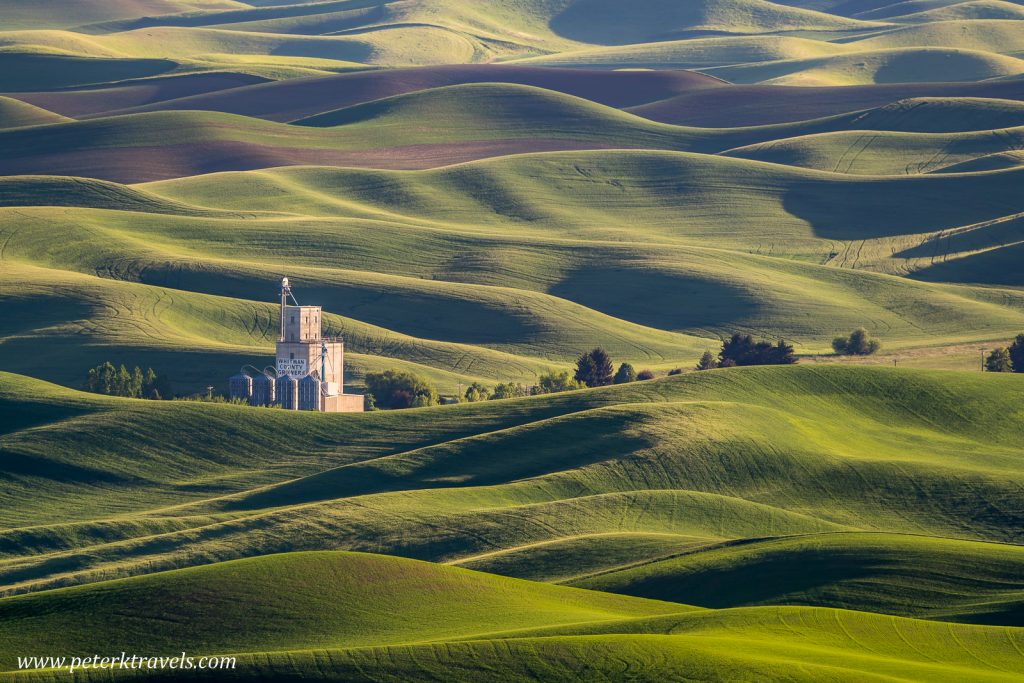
[(476, 193)]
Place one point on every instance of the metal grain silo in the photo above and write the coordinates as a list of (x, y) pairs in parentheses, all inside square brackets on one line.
[(309, 393), (288, 392), (263, 391), (240, 386)]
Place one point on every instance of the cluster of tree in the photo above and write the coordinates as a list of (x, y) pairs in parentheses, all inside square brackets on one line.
[(556, 382), (1007, 359), (398, 389), (478, 392), (119, 381), (859, 343), (743, 350), (595, 369)]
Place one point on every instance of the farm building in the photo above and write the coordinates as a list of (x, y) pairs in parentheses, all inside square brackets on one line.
[(309, 372)]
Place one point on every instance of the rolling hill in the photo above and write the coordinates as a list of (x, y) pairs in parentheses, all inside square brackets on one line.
[(477, 192), (687, 457), (448, 622)]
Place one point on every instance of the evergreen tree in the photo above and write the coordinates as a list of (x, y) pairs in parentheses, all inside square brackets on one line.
[(1017, 353), (782, 354), (594, 368), (625, 374), (707, 361), (740, 349)]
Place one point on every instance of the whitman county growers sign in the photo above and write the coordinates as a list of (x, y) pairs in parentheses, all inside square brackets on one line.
[(295, 367)]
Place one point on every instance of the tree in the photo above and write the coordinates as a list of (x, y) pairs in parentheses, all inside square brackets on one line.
[(859, 343), (739, 349), (707, 361), (122, 382), (555, 382), (149, 384), (782, 354), (106, 379), (476, 392), (399, 389), (625, 374), (594, 368), (645, 375), (509, 390), (1017, 353), (742, 350), (135, 386), (999, 361)]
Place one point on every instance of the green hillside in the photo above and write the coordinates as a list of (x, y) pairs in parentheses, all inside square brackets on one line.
[(884, 153), (907, 575), (285, 39), (16, 114), (687, 457), (477, 193), (450, 622)]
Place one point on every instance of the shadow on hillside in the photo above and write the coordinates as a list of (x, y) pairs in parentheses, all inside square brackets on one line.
[(662, 300)]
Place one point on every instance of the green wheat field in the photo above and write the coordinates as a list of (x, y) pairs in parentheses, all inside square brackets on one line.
[(477, 192)]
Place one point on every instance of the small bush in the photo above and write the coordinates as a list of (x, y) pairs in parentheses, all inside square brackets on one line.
[(625, 374), (677, 371), (644, 375)]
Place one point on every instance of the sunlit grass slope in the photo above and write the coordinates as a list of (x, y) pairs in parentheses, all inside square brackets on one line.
[(907, 575), (17, 15), (15, 114), (329, 615), (883, 153), (482, 285), (675, 464), (895, 65), (296, 39)]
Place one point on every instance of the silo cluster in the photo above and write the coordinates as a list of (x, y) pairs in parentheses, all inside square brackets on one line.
[(309, 370)]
